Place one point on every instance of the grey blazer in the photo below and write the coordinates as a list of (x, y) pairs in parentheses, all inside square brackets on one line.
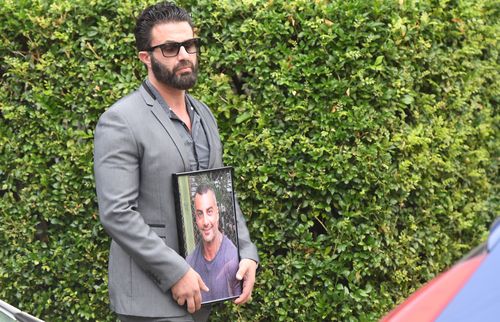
[(136, 151)]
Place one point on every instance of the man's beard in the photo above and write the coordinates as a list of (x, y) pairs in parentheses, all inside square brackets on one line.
[(169, 78)]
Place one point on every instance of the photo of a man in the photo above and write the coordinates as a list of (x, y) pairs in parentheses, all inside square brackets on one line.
[(215, 256)]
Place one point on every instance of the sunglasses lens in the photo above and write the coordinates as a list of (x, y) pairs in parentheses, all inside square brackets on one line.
[(170, 49), (191, 46)]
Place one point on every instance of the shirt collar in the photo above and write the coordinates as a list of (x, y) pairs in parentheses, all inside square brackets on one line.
[(163, 103)]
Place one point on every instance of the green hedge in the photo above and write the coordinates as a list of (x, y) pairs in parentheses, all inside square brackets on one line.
[(364, 136)]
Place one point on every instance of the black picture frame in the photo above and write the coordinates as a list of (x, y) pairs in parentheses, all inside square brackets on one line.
[(192, 190)]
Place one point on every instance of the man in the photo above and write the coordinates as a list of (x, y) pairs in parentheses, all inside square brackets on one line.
[(216, 257), (140, 142)]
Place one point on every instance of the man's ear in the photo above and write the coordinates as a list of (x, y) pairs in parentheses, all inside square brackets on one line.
[(145, 57)]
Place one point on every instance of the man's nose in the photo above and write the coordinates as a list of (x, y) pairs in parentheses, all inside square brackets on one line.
[(183, 54), (205, 220)]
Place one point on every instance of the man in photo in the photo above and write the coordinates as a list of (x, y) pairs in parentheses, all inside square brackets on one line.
[(215, 257)]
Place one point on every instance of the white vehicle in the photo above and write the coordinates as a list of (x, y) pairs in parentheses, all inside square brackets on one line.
[(9, 313)]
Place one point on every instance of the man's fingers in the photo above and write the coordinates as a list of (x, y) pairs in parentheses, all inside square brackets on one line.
[(187, 291), (202, 284), (241, 272), (193, 303), (191, 306), (197, 300), (181, 301), (246, 272), (242, 299), (246, 294), (247, 266)]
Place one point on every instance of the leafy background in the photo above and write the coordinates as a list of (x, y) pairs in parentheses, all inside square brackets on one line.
[(364, 136)]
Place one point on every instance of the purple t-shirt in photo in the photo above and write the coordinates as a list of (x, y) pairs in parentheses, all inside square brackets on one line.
[(218, 274)]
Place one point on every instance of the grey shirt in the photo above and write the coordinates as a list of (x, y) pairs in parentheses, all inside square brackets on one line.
[(196, 140)]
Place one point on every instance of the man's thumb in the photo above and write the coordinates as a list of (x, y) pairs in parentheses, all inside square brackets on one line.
[(202, 284), (239, 274)]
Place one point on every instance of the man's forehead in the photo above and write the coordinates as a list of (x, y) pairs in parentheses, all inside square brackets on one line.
[(209, 195), (171, 31)]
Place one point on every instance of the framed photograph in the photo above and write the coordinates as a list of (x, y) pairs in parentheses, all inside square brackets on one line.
[(208, 230)]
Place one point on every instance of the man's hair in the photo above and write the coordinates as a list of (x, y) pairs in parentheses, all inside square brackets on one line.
[(203, 189), (162, 12)]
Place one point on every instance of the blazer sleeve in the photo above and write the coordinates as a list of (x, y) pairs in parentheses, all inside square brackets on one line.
[(117, 178), (247, 248)]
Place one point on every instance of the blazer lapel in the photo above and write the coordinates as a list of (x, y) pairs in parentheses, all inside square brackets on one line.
[(162, 117), (211, 140)]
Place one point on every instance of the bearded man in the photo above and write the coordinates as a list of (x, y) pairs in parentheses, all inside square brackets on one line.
[(140, 141)]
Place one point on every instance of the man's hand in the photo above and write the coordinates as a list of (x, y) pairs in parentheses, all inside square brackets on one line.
[(188, 289), (246, 272)]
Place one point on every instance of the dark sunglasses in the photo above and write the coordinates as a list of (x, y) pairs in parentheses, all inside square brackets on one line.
[(171, 48)]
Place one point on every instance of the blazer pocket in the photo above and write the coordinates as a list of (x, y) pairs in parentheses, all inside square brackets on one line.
[(161, 231)]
